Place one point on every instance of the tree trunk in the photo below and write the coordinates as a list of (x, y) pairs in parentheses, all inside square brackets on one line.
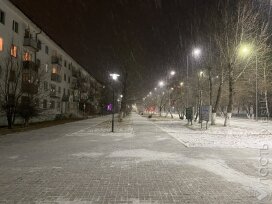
[(218, 99), (124, 99), (171, 114), (160, 110), (231, 90), (210, 86), (9, 119), (265, 92), (26, 122)]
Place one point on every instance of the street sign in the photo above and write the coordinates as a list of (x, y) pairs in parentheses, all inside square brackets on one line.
[(206, 113)]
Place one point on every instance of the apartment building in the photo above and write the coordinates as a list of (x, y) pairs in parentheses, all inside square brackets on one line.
[(64, 87)]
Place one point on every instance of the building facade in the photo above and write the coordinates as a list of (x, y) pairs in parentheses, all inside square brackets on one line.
[(61, 85)]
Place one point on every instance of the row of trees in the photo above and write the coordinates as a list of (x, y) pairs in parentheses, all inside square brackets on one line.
[(236, 66)]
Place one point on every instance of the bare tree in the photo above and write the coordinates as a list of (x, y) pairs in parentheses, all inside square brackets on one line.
[(240, 26), (32, 90), (10, 86)]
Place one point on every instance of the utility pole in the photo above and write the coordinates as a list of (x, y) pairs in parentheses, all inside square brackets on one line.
[(187, 81), (114, 77), (256, 86), (112, 124)]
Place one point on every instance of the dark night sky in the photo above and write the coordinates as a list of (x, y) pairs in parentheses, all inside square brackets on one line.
[(148, 36)]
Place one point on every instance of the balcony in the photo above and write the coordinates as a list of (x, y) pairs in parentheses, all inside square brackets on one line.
[(76, 98), (31, 44), (74, 84), (30, 65), (29, 88), (55, 77), (75, 73), (53, 94), (56, 60), (65, 97)]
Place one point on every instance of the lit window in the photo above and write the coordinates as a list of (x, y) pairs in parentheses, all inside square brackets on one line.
[(27, 56), (1, 44), (54, 70), (13, 51)]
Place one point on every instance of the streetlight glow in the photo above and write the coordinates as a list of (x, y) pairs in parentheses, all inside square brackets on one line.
[(181, 84), (245, 50), (196, 52), (161, 83), (114, 76), (172, 73)]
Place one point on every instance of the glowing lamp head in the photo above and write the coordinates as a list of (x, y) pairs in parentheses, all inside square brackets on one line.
[(181, 84), (114, 76), (196, 52), (161, 83), (172, 73), (245, 50)]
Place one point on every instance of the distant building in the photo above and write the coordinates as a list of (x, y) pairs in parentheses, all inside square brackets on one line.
[(66, 86)]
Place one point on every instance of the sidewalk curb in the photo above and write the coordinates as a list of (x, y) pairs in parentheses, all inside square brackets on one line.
[(179, 140)]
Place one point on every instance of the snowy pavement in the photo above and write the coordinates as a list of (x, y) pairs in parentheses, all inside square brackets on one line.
[(243, 133), (83, 162)]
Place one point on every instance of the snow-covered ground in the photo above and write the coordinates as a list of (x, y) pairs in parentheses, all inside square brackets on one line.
[(243, 133)]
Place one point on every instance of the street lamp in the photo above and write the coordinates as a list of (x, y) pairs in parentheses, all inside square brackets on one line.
[(161, 84), (245, 50), (172, 73), (114, 77), (196, 52), (181, 83)]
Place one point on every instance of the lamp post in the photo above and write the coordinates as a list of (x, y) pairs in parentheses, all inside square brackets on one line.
[(244, 51), (114, 77), (201, 73), (196, 53), (172, 73)]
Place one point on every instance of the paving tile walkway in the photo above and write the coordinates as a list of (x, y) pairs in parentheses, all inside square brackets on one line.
[(83, 162)]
